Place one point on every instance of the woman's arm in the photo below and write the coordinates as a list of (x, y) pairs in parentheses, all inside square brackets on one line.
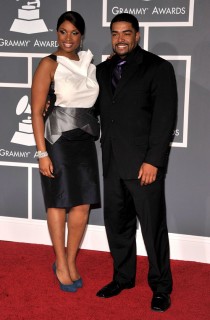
[(40, 87)]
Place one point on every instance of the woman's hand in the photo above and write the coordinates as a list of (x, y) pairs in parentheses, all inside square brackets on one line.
[(46, 167)]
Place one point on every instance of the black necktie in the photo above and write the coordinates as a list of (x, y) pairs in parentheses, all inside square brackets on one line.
[(117, 73)]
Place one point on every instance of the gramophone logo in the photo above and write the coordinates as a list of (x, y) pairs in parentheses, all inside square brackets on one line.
[(28, 20), (25, 134)]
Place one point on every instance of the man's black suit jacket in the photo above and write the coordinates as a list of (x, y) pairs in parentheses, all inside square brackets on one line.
[(138, 119)]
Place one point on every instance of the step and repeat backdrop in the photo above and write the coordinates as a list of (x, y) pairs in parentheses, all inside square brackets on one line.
[(177, 30)]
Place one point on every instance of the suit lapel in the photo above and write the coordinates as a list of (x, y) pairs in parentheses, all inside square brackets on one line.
[(130, 70), (107, 78), (126, 77), (128, 73)]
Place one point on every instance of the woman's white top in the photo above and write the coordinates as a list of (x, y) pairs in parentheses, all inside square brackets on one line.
[(75, 82), (76, 90)]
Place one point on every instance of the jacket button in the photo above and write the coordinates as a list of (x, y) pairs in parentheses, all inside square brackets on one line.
[(112, 121), (113, 101)]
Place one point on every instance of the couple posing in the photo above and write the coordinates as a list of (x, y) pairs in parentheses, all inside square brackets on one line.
[(134, 93)]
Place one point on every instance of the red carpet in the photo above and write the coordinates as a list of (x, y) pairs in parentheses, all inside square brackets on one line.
[(29, 290)]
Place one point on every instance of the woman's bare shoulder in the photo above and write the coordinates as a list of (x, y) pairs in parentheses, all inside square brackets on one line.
[(47, 64)]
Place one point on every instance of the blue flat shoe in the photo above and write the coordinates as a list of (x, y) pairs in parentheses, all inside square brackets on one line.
[(65, 287), (78, 283)]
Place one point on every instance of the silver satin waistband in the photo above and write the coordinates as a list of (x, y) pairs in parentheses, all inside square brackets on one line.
[(65, 119)]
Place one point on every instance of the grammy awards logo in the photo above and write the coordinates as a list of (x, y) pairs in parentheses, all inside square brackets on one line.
[(28, 20), (25, 134)]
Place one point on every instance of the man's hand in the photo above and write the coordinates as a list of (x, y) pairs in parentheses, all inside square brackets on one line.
[(110, 56), (147, 174), (46, 107)]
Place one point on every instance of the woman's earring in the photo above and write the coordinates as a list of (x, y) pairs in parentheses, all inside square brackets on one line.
[(81, 44)]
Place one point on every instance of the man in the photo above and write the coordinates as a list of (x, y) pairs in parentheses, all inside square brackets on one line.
[(137, 119)]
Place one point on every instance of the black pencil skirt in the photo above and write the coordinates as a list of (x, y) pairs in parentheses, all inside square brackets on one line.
[(76, 171)]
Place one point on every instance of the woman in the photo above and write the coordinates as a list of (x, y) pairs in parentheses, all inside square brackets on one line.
[(65, 143)]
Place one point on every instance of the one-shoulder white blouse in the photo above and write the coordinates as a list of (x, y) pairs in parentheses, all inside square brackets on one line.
[(75, 82), (75, 90)]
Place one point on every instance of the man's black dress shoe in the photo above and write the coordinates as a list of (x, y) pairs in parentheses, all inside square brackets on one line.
[(113, 289), (160, 302)]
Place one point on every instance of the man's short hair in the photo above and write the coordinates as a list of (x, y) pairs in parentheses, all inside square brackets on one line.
[(127, 17)]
